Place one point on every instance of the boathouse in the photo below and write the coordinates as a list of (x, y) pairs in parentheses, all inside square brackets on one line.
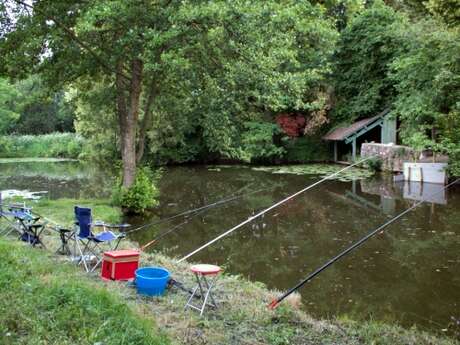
[(348, 140)]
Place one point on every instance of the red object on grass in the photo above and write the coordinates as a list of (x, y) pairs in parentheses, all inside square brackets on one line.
[(120, 264)]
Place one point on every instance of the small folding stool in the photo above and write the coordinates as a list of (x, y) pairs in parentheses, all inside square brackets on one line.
[(66, 235), (204, 285)]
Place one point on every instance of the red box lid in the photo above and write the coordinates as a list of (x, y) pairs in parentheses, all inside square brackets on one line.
[(122, 253)]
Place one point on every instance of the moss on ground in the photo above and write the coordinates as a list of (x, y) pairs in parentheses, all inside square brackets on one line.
[(243, 316)]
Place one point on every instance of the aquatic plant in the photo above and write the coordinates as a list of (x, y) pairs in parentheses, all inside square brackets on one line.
[(322, 170)]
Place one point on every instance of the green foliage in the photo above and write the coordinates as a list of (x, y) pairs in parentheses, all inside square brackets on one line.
[(42, 302), (64, 145), (427, 79), (365, 50), (212, 66), (306, 149), (96, 118), (258, 141), (8, 112), (375, 164), (447, 10), (28, 107), (143, 193)]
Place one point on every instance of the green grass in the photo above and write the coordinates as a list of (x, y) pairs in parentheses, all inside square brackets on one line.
[(45, 303), (61, 211), (63, 145)]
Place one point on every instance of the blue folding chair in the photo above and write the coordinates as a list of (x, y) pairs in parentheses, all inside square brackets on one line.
[(20, 218), (8, 220), (89, 245)]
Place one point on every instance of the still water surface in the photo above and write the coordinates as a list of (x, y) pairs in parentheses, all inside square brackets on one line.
[(410, 274)]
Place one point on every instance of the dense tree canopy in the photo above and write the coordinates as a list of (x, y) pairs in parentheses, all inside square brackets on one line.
[(364, 53), (206, 70), (8, 111), (176, 81), (28, 107)]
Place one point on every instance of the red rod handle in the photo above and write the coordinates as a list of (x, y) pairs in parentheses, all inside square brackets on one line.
[(273, 304)]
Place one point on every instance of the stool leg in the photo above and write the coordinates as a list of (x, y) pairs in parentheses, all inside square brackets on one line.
[(191, 297), (209, 287), (199, 284), (208, 294)]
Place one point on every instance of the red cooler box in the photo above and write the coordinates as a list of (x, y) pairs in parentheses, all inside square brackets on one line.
[(120, 264)]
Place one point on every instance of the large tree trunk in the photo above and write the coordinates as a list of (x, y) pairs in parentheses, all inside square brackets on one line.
[(146, 122), (128, 118)]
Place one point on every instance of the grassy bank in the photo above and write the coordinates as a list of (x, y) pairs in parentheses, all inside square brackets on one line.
[(64, 145), (45, 303), (242, 318), (62, 210)]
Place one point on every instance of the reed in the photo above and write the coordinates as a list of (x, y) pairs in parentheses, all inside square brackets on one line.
[(56, 145)]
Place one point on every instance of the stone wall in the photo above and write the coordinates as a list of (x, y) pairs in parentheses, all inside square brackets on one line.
[(392, 156)]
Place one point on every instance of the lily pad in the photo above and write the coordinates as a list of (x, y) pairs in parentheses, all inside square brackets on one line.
[(323, 170)]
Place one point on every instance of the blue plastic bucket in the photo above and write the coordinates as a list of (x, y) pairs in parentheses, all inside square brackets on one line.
[(151, 281)]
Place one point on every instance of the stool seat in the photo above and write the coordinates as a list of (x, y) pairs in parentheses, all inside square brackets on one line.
[(205, 269)]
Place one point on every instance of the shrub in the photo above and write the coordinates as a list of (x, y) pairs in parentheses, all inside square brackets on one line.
[(258, 142), (306, 149), (142, 195), (374, 164)]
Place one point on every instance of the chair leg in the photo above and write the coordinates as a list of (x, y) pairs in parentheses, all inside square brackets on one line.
[(82, 257), (98, 257)]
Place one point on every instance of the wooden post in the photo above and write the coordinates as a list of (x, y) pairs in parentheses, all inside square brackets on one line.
[(336, 158), (354, 150)]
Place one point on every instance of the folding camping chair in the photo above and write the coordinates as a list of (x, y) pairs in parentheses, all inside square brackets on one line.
[(7, 217), (28, 225), (88, 244), (20, 218)]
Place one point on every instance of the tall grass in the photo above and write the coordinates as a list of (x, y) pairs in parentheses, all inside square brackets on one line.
[(45, 303), (64, 145)]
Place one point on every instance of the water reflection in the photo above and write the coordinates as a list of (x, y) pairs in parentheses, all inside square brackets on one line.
[(405, 274), (67, 179)]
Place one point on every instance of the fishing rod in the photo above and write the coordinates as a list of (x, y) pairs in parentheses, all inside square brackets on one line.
[(250, 219), (159, 237), (355, 245), (223, 201), (156, 239)]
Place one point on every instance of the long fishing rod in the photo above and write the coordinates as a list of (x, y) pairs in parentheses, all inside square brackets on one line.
[(156, 239), (178, 226), (185, 213), (276, 301), (250, 219)]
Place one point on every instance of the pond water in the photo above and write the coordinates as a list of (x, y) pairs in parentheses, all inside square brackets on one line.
[(408, 274)]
